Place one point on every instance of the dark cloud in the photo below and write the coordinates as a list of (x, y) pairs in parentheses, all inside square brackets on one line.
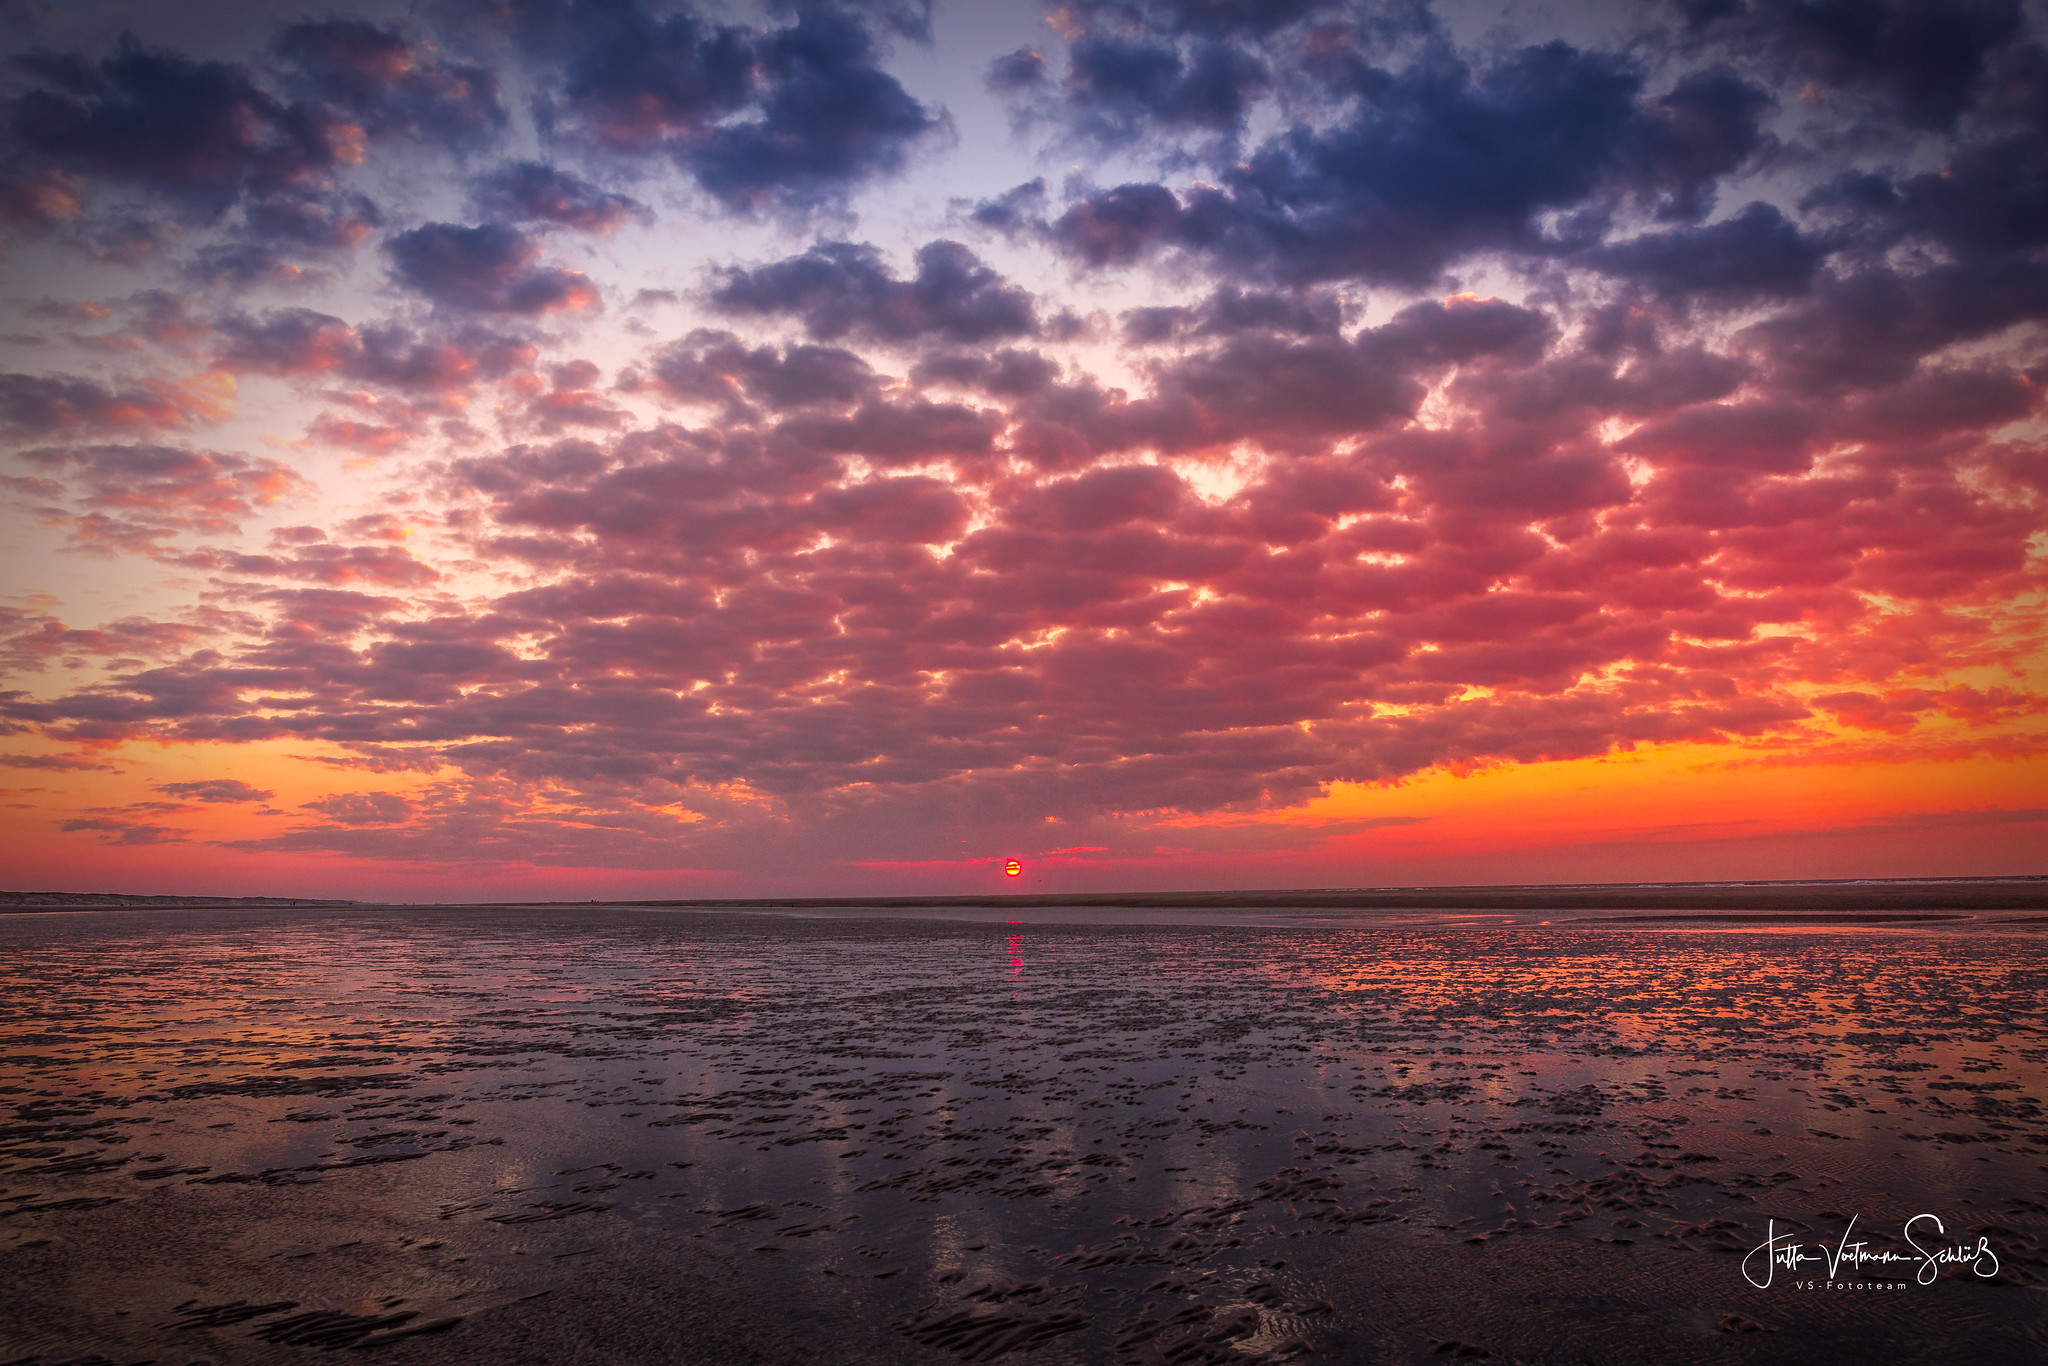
[(1681, 144), (1018, 72), (242, 265), (1015, 211), (1119, 89), (130, 497), (286, 342), (37, 197), (910, 19), (1284, 390), (911, 510), (1437, 162), (205, 132), (1991, 199), (572, 399), (901, 433), (830, 118), (1428, 163), (42, 407), (125, 830), (717, 367), (441, 362), (325, 222), (382, 566), (1758, 253), (216, 790), (55, 763), (1114, 227), (793, 118), (841, 289), (409, 375), (1427, 336), (530, 191), (630, 81), (1929, 56), (485, 269), (390, 84), (1872, 327), (1008, 373), (362, 808), (1210, 18), (31, 640)]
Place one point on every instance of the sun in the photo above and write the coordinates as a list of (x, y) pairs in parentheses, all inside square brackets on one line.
[(1013, 869)]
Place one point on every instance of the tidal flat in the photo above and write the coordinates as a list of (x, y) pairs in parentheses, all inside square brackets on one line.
[(614, 1134)]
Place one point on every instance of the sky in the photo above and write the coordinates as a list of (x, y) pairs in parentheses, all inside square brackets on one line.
[(598, 448)]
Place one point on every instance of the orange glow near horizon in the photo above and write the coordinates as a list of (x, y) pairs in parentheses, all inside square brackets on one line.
[(1670, 813)]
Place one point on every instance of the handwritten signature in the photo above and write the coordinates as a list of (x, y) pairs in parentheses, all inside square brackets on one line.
[(1783, 1252)]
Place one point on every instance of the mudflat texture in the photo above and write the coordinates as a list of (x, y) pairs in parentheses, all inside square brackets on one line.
[(612, 1134)]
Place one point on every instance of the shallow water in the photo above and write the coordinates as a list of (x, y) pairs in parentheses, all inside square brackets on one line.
[(607, 1134)]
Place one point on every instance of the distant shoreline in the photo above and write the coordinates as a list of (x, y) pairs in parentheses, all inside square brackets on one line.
[(1845, 897)]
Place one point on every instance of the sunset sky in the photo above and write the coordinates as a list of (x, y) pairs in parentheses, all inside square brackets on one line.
[(620, 448)]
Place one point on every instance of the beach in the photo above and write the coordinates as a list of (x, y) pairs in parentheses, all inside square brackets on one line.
[(1046, 1133)]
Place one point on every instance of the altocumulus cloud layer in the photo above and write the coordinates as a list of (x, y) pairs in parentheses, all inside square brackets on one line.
[(640, 435)]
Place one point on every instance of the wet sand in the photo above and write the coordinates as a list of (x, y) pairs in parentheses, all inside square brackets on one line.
[(1049, 1134)]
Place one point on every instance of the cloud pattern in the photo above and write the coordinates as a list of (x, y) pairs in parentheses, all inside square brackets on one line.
[(1452, 405)]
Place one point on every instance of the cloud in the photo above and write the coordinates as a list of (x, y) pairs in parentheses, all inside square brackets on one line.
[(571, 399), (1679, 145), (1119, 89), (37, 198), (486, 269), (1961, 818), (830, 118), (391, 85), (1984, 202), (362, 808), (717, 367), (134, 495), (119, 830), (1016, 73), (1423, 164), (1230, 309), (1115, 227), (55, 763), (1872, 327), (216, 790), (383, 566), (203, 132), (841, 289), (403, 376), (790, 118), (1929, 57), (40, 407), (1206, 18), (1758, 253), (534, 192), (323, 223), (31, 639), (1438, 160)]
